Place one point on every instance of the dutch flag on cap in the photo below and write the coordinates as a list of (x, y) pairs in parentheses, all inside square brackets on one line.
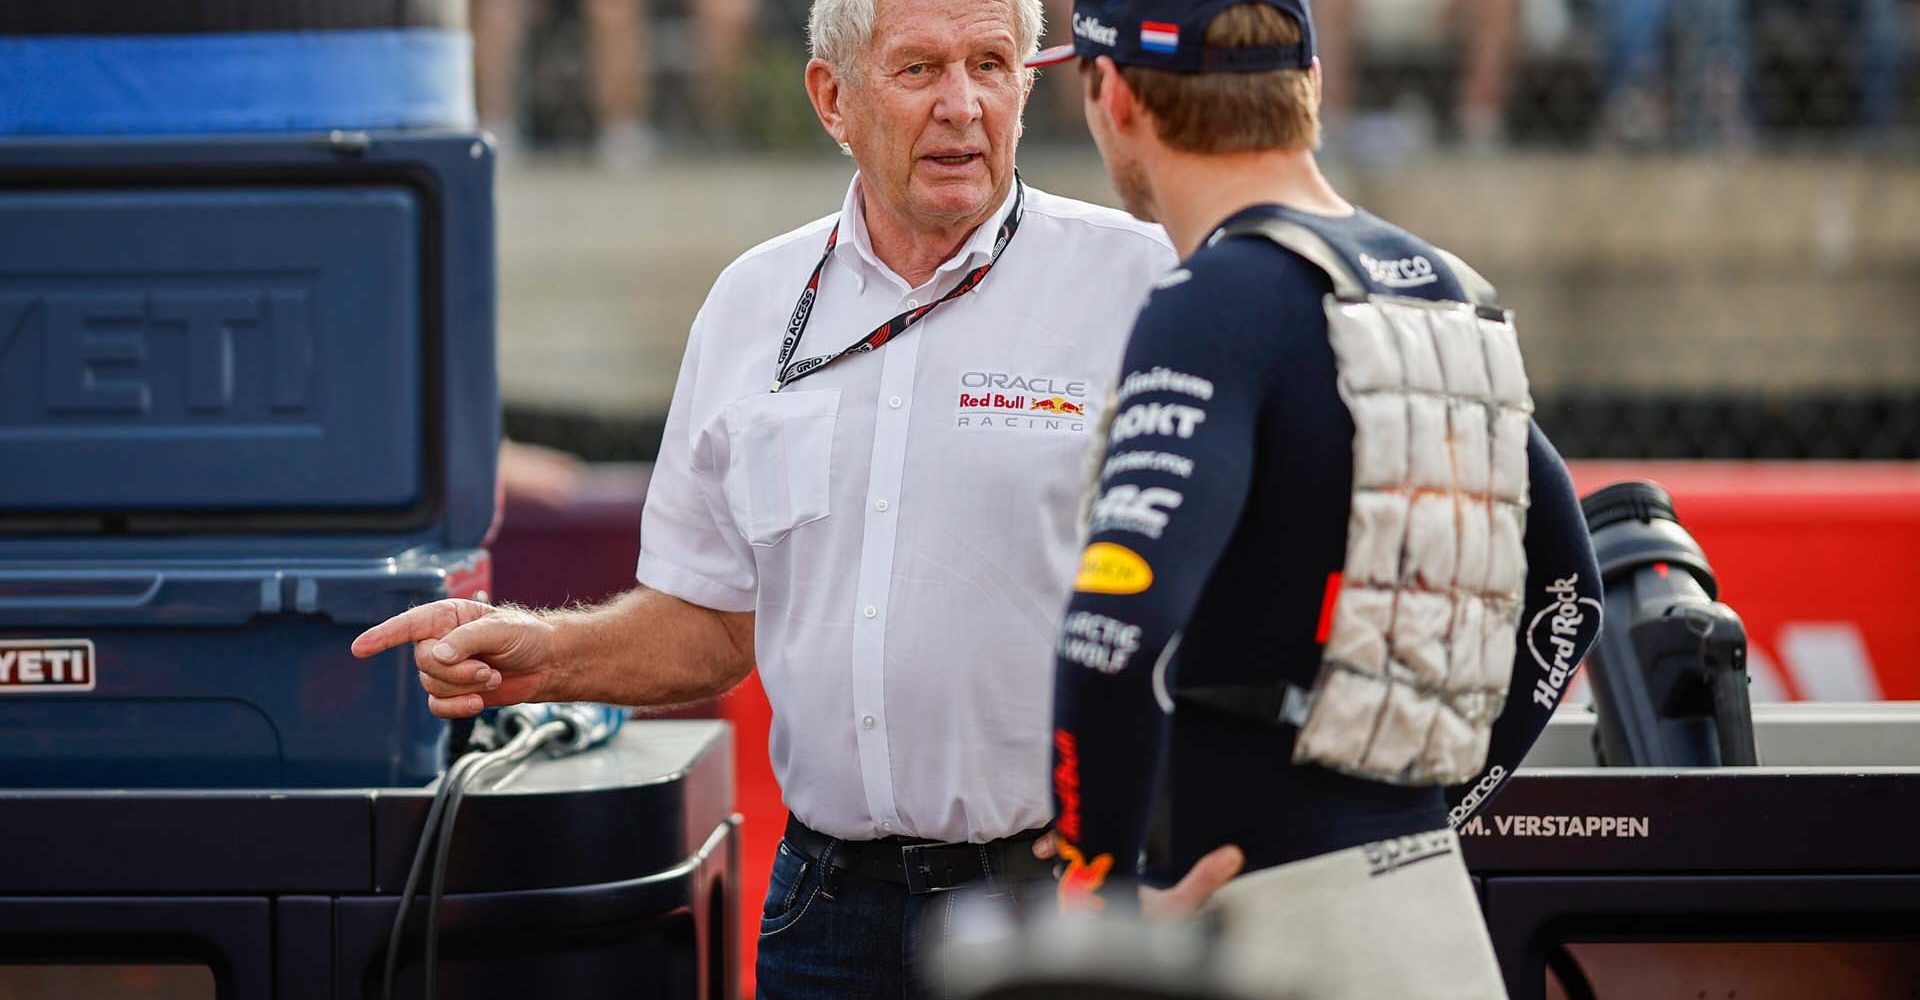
[(1159, 36)]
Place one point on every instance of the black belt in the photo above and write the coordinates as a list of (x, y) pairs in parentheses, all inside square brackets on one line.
[(926, 865)]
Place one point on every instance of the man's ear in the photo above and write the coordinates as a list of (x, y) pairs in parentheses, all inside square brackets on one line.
[(1314, 76), (1121, 104), (825, 88)]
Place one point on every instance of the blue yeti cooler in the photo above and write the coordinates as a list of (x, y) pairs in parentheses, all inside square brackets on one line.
[(248, 408), (155, 674)]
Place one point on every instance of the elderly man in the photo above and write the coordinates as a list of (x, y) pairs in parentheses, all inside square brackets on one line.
[(868, 489)]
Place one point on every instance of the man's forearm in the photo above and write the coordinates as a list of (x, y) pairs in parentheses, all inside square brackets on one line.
[(646, 648)]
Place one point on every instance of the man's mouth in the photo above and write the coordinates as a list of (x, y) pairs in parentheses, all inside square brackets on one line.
[(959, 159)]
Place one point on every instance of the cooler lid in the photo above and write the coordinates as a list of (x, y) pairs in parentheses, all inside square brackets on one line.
[(211, 349)]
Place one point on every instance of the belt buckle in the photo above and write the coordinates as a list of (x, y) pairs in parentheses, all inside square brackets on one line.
[(917, 861)]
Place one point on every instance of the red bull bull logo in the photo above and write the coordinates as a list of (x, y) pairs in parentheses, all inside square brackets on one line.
[(1082, 879), (1060, 405)]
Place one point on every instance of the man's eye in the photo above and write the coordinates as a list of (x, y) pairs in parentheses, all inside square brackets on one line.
[(990, 66), (917, 69)]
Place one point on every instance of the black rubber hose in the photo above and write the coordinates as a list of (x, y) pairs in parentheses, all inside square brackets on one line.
[(456, 776)]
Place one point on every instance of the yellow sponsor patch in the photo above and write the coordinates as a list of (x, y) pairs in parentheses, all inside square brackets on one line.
[(1106, 568)]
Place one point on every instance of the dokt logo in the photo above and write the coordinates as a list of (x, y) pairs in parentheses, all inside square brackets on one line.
[(1056, 404)]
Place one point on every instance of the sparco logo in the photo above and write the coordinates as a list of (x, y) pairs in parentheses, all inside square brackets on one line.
[(1495, 775), (1092, 30), (1564, 618), (1407, 272), (45, 665)]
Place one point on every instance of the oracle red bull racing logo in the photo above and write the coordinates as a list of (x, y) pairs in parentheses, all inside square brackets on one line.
[(1010, 401)]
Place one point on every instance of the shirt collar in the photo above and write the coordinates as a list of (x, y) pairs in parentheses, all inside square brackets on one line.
[(856, 244)]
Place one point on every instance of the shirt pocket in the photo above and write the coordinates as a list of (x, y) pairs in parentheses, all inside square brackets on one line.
[(779, 455)]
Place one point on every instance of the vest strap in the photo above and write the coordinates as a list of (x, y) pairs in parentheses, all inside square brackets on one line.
[(1480, 291), (1272, 703), (1347, 285)]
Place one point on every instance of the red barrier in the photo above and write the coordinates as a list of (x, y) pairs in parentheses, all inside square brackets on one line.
[(1820, 560)]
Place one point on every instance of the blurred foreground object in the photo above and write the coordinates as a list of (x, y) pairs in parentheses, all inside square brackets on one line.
[(992, 952)]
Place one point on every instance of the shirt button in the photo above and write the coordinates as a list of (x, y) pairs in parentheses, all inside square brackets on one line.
[(887, 826), (894, 402), (870, 611), (866, 722), (913, 303), (880, 505)]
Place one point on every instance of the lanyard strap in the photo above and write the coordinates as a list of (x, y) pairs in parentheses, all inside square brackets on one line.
[(788, 371)]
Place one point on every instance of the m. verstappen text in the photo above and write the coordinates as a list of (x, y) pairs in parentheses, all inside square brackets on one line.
[(1560, 826)]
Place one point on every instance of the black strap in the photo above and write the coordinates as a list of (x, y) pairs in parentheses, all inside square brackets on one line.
[(924, 866), (1272, 703), (787, 371)]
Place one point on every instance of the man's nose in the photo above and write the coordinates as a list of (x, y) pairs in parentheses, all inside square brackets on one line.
[(958, 100)]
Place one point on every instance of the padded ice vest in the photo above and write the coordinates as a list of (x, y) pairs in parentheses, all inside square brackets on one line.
[(1420, 641)]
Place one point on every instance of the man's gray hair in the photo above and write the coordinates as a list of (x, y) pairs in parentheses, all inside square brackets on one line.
[(839, 30)]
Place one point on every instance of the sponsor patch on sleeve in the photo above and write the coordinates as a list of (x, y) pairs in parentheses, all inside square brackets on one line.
[(1106, 568), (1082, 879), (1129, 508)]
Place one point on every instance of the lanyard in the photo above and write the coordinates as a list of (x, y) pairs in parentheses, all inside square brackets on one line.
[(788, 371)]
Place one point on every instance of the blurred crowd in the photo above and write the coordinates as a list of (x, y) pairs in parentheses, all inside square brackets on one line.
[(625, 80)]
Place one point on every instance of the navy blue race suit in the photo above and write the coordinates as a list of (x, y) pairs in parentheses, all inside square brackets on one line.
[(1226, 482)]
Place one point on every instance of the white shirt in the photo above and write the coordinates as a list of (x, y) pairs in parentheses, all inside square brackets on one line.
[(904, 523)]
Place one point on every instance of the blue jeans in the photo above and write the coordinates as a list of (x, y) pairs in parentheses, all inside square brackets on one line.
[(829, 934)]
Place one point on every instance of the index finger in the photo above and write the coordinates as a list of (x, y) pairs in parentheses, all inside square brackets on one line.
[(428, 621), (1211, 872)]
